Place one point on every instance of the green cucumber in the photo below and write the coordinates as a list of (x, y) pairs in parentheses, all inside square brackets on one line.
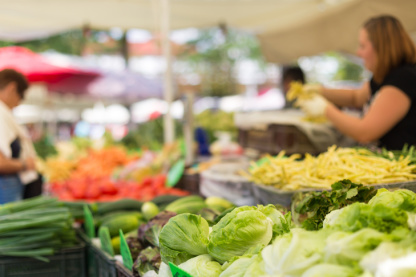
[(165, 199), (124, 222), (101, 219), (120, 205), (188, 204)]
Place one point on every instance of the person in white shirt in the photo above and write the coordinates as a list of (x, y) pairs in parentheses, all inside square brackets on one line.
[(17, 165)]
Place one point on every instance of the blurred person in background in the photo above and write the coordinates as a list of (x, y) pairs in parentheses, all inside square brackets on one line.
[(291, 74), (390, 117), (17, 164)]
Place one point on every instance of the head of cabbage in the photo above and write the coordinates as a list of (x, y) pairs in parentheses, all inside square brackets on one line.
[(243, 228), (183, 237)]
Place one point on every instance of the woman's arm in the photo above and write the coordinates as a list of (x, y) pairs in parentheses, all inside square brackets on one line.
[(355, 98), (10, 166), (388, 108)]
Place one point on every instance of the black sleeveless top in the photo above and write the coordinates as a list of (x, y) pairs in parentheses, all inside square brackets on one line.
[(402, 77), (16, 149)]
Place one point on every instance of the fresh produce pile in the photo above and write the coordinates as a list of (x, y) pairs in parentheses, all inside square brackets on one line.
[(359, 239), (141, 223), (356, 164), (106, 189), (309, 209), (109, 173), (35, 228), (95, 163)]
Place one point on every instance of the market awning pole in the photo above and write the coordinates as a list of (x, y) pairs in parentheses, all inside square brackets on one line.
[(169, 131), (188, 127)]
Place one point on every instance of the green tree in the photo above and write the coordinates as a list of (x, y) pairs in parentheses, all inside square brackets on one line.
[(214, 56), (347, 70)]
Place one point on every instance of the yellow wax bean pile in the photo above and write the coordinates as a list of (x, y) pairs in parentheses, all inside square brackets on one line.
[(357, 165)]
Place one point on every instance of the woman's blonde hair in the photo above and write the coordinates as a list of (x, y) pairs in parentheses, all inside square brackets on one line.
[(392, 44)]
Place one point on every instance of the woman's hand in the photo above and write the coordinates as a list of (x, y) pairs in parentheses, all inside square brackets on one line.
[(315, 106), (28, 164)]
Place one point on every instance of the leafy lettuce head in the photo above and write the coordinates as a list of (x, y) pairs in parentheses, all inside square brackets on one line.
[(202, 266), (183, 237), (329, 270), (359, 215), (238, 231), (400, 199), (293, 253), (346, 248)]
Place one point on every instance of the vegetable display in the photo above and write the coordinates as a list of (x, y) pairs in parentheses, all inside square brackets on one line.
[(356, 240), (314, 206), (358, 165)]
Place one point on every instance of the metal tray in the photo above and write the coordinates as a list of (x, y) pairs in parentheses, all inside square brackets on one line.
[(270, 195)]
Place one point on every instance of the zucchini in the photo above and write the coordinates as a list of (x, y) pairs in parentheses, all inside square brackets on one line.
[(120, 205), (100, 219), (115, 242), (188, 204), (165, 199), (124, 222)]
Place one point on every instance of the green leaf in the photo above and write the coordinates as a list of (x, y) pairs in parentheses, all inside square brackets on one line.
[(351, 193)]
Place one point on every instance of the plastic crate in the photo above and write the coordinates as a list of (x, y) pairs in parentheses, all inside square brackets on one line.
[(123, 271), (99, 263), (68, 262), (189, 182)]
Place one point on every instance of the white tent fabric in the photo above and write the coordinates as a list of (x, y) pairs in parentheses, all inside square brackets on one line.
[(287, 29), (19, 18), (329, 29)]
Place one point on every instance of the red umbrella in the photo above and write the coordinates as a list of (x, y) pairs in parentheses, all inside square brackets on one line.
[(35, 67)]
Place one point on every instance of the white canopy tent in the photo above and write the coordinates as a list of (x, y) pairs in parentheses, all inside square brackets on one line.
[(334, 28), (300, 23), (21, 19)]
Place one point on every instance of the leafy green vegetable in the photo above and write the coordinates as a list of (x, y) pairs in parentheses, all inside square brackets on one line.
[(238, 267), (400, 199), (406, 151), (44, 147), (359, 215), (243, 228), (316, 205), (330, 270), (149, 232), (202, 266), (282, 223), (148, 259), (385, 251), (346, 248), (293, 253), (164, 270), (183, 237)]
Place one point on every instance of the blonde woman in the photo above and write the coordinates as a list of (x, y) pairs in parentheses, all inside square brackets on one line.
[(389, 53)]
